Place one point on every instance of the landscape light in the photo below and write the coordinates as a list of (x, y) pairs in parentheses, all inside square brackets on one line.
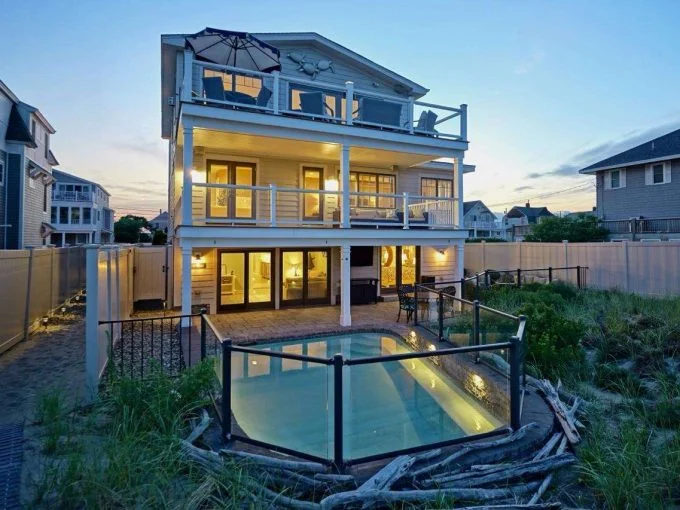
[(45, 321), (63, 310)]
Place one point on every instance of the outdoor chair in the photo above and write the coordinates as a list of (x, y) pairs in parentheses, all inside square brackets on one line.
[(377, 111), (213, 88), (407, 301), (313, 103), (263, 97), (426, 122)]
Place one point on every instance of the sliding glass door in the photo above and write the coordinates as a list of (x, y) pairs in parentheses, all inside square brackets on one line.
[(305, 276), (236, 204), (245, 279), (398, 266)]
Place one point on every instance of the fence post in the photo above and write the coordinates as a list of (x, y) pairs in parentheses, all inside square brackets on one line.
[(203, 353), (440, 309), (415, 309), (337, 413), (483, 243), (92, 322), (477, 286), (462, 288), (578, 276), (29, 278), (226, 390), (519, 277), (550, 274), (475, 328), (515, 397)]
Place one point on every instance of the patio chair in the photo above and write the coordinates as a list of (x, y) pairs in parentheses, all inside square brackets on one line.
[(378, 111), (213, 87), (314, 104), (263, 97), (407, 301), (426, 122)]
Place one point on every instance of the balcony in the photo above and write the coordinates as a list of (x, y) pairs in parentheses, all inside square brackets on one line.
[(274, 206), (283, 95), (72, 196), (482, 225)]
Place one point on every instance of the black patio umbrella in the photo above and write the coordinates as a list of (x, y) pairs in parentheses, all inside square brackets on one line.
[(236, 49)]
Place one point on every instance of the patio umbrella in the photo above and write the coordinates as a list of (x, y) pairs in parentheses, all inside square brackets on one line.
[(237, 49)]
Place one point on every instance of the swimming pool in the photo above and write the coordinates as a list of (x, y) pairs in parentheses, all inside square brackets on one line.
[(387, 406)]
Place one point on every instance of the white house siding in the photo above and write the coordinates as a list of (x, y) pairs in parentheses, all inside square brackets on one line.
[(442, 267), (638, 198)]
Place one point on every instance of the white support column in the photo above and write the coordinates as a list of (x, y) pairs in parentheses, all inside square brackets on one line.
[(344, 184), (458, 179), (349, 102), (188, 158), (345, 277), (186, 284)]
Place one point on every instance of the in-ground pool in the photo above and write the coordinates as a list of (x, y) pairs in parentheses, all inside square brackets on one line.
[(387, 406)]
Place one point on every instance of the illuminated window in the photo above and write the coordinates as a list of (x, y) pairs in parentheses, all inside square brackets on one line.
[(372, 183), (441, 188), (250, 85)]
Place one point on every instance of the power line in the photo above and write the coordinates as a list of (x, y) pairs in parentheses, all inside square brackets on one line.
[(580, 187)]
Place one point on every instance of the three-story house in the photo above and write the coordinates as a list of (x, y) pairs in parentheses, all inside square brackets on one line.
[(290, 184)]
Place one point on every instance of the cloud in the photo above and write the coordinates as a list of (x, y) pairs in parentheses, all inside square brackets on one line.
[(523, 188), (590, 155), (529, 64), (140, 146)]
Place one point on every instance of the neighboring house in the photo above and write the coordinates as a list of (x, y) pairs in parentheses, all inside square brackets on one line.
[(481, 221), (26, 163), (80, 211), (306, 179), (520, 220), (160, 222), (642, 182)]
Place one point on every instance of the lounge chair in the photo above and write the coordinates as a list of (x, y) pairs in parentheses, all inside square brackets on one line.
[(426, 122), (213, 87), (263, 97), (313, 103), (377, 111)]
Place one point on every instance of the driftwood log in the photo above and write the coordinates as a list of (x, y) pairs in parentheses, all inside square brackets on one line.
[(565, 417)]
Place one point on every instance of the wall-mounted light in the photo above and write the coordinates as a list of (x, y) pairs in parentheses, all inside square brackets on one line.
[(440, 253), (45, 321), (197, 176), (198, 262), (331, 184)]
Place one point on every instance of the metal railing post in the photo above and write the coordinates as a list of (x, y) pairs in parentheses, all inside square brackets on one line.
[(515, 397), (440, 307), (549, 274), (578, 276), (475, 327), (519, 277), (477, 286), (226, 390), (415, 304), (203, 328), (337, 413)]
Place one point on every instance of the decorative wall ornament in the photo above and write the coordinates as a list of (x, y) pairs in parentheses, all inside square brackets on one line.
[(309, 66)]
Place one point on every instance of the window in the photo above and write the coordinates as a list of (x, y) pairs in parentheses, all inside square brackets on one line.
[(99, 215), (658, 173), (75, 215), (47, 145), (53, 216), (614, 179), (33, 128), (372, 183), (86, 216), (45, 198), (63, 215), (250, 85), (431, 187)]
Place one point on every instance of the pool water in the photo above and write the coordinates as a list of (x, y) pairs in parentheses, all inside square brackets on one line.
[(386, 406)]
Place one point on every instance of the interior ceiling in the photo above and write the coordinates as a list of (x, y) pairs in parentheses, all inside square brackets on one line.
[(286, 148)]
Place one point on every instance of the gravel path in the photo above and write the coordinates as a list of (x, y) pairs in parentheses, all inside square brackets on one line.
[(53, 358)]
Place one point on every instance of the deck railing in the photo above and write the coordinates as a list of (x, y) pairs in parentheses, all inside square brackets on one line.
[(72, 196), (452, 360), (273, 206), (341, 104), (636, 226)]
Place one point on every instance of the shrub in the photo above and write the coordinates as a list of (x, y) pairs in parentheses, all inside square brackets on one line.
[(614, 378), (554, 346)]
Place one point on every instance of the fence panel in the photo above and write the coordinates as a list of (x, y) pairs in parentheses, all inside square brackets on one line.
[(645, 268)]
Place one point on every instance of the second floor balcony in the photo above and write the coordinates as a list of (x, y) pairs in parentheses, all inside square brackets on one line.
[(294, 97), (72, 196), (274, 206)]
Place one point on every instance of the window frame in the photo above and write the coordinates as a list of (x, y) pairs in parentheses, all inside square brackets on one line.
[(666, 170), (354, 201), (621, 178), (437, 183)]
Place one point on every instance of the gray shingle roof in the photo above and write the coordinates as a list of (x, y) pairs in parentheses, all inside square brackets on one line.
[(532, 213), (661, 147)]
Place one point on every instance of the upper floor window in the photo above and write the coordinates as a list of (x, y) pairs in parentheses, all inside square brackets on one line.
[(75, 215), (47, 145), (33, 128), (86, 216), (431, 187), (384, 184), (45, 188), (63, 215), (614, 179), (53, 216), (658, 173)]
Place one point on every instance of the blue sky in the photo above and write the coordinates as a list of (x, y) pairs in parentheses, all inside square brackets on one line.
[(551, 85)]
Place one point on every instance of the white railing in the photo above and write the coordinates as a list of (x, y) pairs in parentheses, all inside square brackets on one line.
[(484, 225), (72, 196), (273, 206), (361, 107)]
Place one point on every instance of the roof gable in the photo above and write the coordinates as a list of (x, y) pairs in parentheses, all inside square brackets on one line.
[(662, 147), (469, 206)]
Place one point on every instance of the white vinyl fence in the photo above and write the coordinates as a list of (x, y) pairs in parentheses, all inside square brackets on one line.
[(110, 271), (33, 284), (646, 268)]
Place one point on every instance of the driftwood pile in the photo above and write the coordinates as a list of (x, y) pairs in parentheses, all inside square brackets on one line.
[(508, 473)]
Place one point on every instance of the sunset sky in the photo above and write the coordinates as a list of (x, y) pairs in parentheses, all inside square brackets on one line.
[(551, 85)]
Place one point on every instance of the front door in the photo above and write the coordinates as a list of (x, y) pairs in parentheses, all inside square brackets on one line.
[(305, 276), (245, 280), (398, 266), (231, 203)]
